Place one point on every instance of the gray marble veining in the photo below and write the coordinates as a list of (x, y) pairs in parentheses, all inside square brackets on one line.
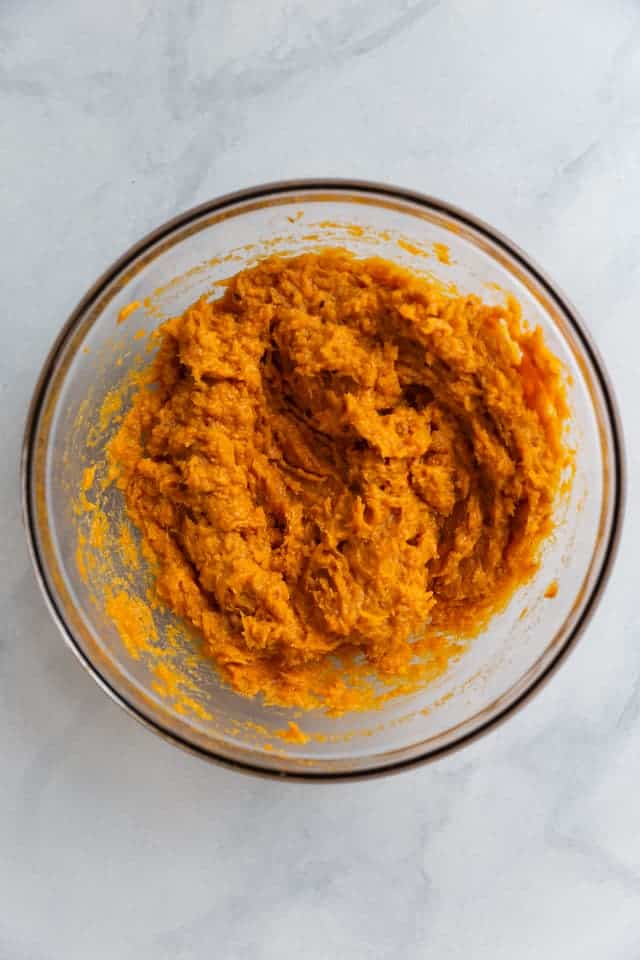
[(112, 118)]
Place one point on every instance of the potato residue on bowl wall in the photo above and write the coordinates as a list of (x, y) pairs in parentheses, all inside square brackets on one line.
[(342, 473)]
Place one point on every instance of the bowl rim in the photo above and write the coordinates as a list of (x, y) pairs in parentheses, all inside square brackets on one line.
[(382, 190)]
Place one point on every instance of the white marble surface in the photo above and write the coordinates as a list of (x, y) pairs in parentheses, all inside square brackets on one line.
[(114, 116)]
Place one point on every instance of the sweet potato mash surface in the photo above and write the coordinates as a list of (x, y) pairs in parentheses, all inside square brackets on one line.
[(335, 464)]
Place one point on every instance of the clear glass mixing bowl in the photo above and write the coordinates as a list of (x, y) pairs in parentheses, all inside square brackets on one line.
[(66, 433)]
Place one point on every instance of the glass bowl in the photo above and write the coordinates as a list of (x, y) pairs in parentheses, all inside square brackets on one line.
[(69, 424)]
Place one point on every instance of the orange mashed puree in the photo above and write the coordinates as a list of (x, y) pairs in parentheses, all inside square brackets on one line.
[(339, 468)]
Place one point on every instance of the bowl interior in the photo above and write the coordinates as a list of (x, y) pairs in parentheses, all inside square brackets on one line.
[(85, 389)]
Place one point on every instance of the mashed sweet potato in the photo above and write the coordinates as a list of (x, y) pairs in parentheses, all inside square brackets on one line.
[(335, 463)]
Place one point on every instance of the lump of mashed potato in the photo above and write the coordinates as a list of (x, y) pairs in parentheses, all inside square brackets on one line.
[(341, 472)]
